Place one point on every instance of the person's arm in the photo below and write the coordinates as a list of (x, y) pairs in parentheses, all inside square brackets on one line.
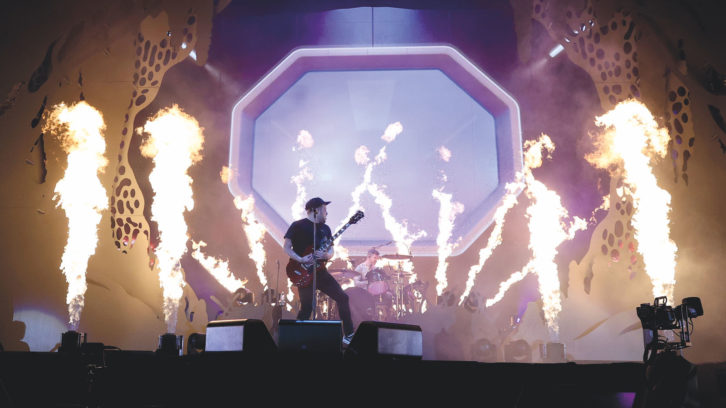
[(294, 256)]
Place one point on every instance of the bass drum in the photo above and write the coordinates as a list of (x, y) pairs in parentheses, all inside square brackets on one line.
[(362, 305), (377, 282)]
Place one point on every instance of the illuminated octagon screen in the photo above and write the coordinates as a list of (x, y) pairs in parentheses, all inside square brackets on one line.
[(316, 126)]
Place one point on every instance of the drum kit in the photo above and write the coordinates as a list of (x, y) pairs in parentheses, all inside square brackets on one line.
[(384, 294)]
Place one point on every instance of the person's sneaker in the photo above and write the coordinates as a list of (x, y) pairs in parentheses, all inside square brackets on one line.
[(347, 338)]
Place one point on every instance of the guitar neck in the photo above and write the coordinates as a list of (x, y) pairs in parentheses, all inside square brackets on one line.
[(327, 245)]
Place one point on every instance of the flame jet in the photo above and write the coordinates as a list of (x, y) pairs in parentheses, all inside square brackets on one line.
[(304, 141), (629, 141), (79, 193), (218, 268), (398, 230), (495, 238), (448, 210), (547, 230), (174, 143), (255, 231)]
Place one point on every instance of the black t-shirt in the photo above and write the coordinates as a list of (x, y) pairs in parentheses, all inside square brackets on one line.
[(300, 234)]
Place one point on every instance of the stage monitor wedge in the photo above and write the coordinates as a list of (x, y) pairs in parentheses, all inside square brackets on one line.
[(311, 336), (239, 335), (386, 340)]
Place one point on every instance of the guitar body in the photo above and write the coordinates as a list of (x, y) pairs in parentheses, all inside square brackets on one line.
[(301, 275)]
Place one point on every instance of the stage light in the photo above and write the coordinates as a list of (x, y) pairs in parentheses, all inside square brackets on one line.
[(556, 51), (518, 351), (193, 55), (170, 345), (184, 46), (196, 343), (484, 350)]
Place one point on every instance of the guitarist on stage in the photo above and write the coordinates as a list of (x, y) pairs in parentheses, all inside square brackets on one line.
[(299, 246)]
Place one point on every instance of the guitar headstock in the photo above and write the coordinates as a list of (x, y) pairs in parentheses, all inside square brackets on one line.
[(356, 217)]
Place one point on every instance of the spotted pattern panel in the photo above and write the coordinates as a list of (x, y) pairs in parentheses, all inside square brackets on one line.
[(680, 126), (154, 55), (605, 50), (608, 52)]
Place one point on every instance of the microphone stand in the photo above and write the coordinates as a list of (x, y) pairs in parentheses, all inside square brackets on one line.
[(315, 264)]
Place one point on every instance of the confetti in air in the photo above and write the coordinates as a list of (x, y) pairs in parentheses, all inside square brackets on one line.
[(79, 193), (174, 143), (630, 139)]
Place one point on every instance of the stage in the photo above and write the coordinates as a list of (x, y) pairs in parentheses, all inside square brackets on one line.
[(141, 378)]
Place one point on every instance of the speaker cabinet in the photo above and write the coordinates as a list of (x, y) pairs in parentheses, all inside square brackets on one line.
[(238, 335), (316, 336), (386, 340)]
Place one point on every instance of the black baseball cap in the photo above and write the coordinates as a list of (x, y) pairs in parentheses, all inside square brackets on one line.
[(314, 203)]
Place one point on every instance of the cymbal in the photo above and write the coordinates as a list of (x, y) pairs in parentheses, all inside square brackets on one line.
[(396, 256)]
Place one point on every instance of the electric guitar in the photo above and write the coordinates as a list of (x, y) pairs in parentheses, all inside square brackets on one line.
[(301, 274)]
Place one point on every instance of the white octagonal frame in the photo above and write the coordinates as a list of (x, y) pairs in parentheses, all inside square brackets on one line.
[(451, 62)]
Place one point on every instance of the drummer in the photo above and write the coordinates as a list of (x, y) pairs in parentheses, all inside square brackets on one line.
[(365, 267)]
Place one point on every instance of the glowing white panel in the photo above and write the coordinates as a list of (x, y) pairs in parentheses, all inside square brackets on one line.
[(42, 330), (345, 98)]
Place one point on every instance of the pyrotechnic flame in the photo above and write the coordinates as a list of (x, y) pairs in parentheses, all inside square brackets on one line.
[(218, 268), (444, 153), (629, 141), (255, 231), (361, 155), (504, 286), (495, 238), (361, 158), (392, 130), (398, 230), (79, 193), (304, 140), (224, 174), (448, 210), (174, 143), (604, 206), (305, 174), (548, 230)]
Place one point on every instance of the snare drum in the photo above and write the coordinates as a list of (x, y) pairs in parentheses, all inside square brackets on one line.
[(377, 282)]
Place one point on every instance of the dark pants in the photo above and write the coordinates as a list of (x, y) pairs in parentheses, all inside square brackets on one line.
[(328, 285)]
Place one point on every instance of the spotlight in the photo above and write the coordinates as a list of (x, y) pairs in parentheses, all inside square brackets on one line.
[(518, 351), (484, 350), (196, 343), (446, 299), (556, 51), (471, 303), (243, 296), (193, 55)]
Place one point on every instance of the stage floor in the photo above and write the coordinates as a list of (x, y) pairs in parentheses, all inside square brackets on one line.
[(144, 379)]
